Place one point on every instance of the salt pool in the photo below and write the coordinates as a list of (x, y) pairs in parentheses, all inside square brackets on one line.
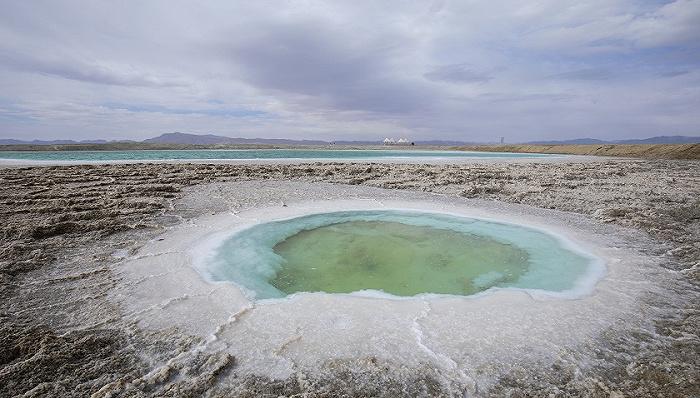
[(206, 277), (398, 254)]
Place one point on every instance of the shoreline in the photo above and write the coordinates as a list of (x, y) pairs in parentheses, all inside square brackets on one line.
[(305, 156), (645, 151), (5, 163)]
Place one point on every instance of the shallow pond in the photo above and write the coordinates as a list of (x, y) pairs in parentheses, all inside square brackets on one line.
[(398, 253)]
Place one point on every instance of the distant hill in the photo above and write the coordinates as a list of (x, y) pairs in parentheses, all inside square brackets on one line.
[(210, 139), (577, 141), (52, 142), (346, 142), (675, 139), (428, 142), (444, 143)]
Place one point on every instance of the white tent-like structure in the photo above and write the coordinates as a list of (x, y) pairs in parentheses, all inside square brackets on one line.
[(400, 141)]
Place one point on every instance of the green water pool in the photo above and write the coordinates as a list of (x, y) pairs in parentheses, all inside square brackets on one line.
[(396, 258), (397, 253)]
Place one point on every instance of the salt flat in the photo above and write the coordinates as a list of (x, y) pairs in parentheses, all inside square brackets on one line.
[(97, 277), (277, 338)]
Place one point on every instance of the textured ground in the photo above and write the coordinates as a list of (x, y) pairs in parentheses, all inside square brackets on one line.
[(60, 336)]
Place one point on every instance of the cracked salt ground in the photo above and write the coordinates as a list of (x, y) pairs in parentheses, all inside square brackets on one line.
[(467, 341)]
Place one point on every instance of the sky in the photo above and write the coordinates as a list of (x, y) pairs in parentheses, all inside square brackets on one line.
[(356, 70)]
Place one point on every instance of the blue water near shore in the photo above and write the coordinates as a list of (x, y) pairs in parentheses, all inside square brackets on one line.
[(250, 154)]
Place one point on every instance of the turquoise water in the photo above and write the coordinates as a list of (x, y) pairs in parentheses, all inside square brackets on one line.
[(396, 252), (396, 258), (248, 154)]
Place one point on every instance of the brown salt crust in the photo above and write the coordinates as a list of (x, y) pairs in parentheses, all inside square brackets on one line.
[(62, 224)]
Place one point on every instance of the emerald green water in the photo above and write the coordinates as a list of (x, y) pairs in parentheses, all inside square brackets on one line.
[(400, 253), (396, 258)]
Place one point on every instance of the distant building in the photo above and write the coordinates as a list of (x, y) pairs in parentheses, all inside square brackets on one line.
[(400, 141)]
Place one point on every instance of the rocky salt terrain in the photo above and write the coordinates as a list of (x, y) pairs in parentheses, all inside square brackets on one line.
[(65, 229)]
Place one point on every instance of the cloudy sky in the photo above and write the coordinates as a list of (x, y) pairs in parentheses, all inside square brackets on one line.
[(359, 69)]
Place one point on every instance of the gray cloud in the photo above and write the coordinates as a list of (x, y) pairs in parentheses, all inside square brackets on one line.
[(350, 69), (500, 97), (457, 73), (332, 67), (585, 74), (673, 73), (75, 70)]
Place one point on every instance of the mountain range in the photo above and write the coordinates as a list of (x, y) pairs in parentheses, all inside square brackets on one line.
[(211, 139), (674, 139)]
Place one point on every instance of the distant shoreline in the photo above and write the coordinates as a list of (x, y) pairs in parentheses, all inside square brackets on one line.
[(648, 151), (265, 156), (135, 146)]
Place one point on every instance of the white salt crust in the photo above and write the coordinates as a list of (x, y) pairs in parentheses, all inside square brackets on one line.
[(463, 336)]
